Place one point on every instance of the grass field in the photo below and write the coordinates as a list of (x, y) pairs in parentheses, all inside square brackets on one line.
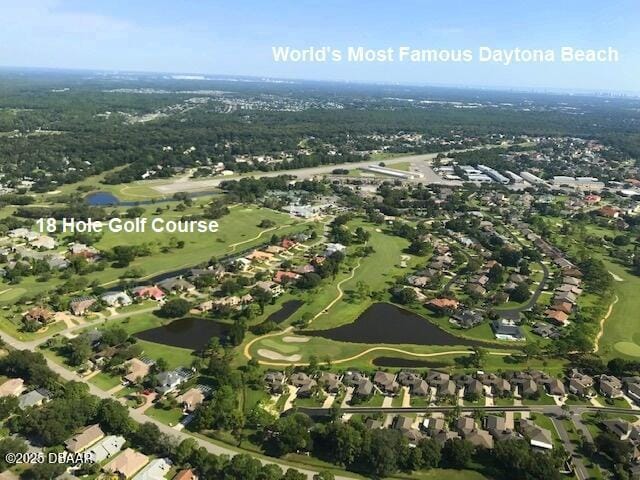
[(621, 335)]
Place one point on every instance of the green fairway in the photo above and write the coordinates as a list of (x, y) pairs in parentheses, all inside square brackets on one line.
[(621, 336)]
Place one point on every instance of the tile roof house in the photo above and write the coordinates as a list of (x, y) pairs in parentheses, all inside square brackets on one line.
[(152, 292), (84, 439), (137, 370), (271, 287), (127, 463), (13, 386), (186, 475), (557, 317), (191, 399), (440, 304), (39, 314)]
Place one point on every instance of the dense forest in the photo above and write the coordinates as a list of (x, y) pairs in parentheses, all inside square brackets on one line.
[(59, 127)]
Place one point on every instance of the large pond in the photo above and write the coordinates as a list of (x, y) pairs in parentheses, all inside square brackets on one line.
[(288, 308), (387, 323), (101, 199), (192, 333)]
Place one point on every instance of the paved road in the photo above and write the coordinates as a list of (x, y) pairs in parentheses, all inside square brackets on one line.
[(514, 313), (580, 470)]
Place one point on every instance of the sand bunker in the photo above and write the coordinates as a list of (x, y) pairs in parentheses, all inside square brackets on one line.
[(271, 355), (291, 339)]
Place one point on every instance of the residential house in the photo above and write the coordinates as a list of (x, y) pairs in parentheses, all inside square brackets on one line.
[(34, 398), (420, 388), (580, 384), (464, 425), (273, 288), (106, 448), (13, 386), (176, 284), (191, 399), (137, 369), (610, 386), (505, 329), (80, 306), (439, 305), (557, 317), (127, 463), (116, 299), (156, 469), (284, 277), (330, 382), (168, 381), (480, 438), (386, 382), (620, 428), (447, 389), (537, 436), (39, 314), (187, 474), (84, 439), (467, 318), (274, 382), (153, 292)]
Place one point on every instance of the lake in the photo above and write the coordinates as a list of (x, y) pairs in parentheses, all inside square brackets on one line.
[(288, 308), (189, 332), (384, 323), (101, 199)]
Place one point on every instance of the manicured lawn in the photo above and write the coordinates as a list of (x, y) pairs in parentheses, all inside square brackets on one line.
[(170, 417), (252, 397), (13, 329), (543, 400), (503, 402), (545, 422), (105, 381), (175, 357), (621, 336)]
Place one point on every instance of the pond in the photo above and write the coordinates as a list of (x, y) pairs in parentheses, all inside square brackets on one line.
[(192, 333), (396, 362), (384, 323), (101, 199), (288, 308)]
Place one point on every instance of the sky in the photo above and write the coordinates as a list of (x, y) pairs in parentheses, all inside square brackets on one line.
[(236, 38)]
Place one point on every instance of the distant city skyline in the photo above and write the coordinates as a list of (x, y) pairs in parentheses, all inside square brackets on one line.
[(236, 39)]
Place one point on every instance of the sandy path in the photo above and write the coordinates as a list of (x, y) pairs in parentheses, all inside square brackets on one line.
[(604, 319), (340, 292)]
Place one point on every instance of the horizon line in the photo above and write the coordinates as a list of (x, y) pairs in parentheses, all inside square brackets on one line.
[(495, 88)]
